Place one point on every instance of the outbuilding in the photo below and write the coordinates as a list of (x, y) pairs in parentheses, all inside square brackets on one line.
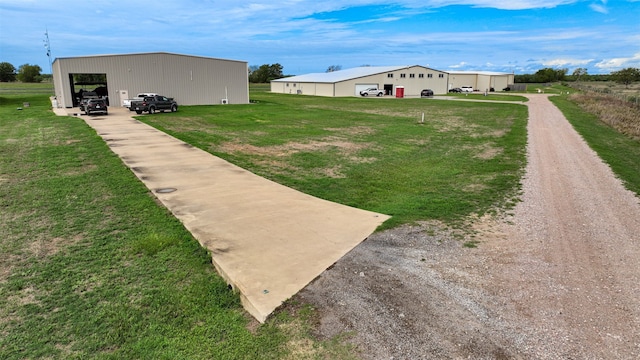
[(349, 82), (480, 80), (190, 80)]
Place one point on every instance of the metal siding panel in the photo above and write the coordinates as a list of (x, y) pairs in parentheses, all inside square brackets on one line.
[(324, 89), (190, 80), (459, 80), (277, 87)]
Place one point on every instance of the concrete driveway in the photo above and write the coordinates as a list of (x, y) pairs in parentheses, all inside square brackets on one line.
[(268, 241)]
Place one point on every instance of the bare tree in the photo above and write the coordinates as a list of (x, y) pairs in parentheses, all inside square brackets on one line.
[(333, 68)]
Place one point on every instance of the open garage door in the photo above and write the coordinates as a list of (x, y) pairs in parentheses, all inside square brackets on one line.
[(360, 87), (82, 84)]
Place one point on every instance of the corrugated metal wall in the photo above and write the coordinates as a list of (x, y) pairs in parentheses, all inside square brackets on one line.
[(412, 82), (191, 80), (412, 85)]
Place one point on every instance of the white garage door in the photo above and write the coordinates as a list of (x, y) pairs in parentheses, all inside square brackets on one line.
[(360, 87)]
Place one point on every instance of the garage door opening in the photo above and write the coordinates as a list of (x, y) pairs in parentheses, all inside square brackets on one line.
[(88, 85)]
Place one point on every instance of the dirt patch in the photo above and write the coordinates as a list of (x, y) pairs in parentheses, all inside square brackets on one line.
[(290, 148), (487, 152), (557, 279), (43, 247), (274, 157), (354, 130)]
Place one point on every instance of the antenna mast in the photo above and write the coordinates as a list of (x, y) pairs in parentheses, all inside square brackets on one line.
[(47, 46)]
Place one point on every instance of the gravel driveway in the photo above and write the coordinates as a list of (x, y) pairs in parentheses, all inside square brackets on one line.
[(560, 279)]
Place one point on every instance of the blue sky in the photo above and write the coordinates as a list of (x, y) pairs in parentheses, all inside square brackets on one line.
[(520, 36)]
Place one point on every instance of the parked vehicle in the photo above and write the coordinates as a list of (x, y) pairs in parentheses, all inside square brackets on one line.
[(455, 90), (372, 91), (95, 106), (152, 104), (467, 89), (127, 102), (86, 96), (426, 93)]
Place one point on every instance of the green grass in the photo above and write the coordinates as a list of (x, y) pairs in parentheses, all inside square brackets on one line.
[(492, 96), (16, 88), (93, 267), (621, 152), (466, 158)]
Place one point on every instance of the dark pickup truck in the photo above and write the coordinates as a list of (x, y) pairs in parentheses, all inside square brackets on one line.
[(152, 104)]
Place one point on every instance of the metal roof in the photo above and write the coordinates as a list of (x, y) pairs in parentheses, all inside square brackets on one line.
[(342, 75), (471, 72), (362, 71), (141, 54)]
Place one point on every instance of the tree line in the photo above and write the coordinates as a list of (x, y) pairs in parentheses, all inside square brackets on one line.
[(548, 75), (26, 73)]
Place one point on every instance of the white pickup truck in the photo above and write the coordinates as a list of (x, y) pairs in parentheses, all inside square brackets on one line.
[(127, 102), (372, 91)]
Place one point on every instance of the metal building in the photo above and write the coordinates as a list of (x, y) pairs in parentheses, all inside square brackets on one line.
[(480, 80), (349, 82), (190, 80)]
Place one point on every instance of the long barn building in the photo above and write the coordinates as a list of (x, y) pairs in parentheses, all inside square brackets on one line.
[(410, 79)]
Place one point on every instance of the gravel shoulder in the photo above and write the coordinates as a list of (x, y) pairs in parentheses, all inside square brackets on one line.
[(558, 279)]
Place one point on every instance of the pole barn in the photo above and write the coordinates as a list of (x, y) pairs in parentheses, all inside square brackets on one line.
[(190, 80)]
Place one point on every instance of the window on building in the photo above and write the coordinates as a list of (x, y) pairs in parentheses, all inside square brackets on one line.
[(429, 76), (412, 76), (441, 76), (389, 75), (287, 84), (421, 76), (403, 75)]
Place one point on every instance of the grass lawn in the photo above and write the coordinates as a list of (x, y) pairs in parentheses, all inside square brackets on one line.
[(93, 267), (370, 153)]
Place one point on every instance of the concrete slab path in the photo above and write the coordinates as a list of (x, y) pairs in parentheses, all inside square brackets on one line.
[(267, 240)]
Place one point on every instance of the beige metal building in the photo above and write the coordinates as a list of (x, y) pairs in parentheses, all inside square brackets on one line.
[(191, 80), (480, 80), (349, 82)]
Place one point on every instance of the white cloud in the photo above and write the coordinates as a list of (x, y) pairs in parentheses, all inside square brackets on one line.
[(500, 4), (566, 62), (458, 66), (600, 7), (619, 63)]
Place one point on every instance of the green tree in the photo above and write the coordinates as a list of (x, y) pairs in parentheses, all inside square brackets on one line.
[(265, 73), (29, 73), (547, 75), (252, 69), (7, 72), (579, 72), (626, 76), (91, 79)]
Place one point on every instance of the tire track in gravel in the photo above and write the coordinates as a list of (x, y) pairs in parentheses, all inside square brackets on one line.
[(577, 231)]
